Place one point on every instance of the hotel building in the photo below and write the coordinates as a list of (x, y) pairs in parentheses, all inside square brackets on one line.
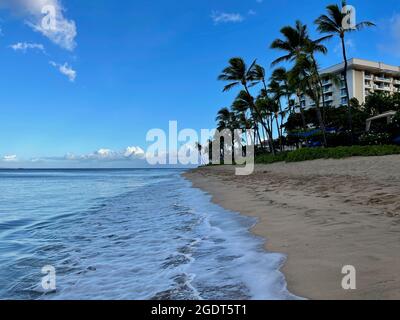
[(364, 77)]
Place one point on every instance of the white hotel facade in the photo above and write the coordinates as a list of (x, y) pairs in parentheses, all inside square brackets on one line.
[(364, 77)]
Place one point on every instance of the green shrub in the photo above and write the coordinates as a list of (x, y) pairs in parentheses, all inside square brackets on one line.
[(341, 152), (306, 154), (371, 139), (269, 158)]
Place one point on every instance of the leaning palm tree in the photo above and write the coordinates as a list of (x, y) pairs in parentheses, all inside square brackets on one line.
[(332, 24), (237, 73)]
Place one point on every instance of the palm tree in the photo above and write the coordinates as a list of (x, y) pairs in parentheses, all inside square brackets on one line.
[(296, 42), (307, 73), (277, 90), (224, 119), (262, 105), (332, 24), (242, 105), (273, 108), (199, 148), (293, 43), (237, 73), (299, 85), (257, 74)]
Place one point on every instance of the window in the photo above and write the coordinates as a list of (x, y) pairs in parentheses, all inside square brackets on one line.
[(343, 100)]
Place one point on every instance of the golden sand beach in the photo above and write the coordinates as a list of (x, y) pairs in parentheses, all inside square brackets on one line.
[(323, 215)]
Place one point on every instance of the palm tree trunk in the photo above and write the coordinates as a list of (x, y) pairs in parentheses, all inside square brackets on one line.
[(349, 115), (320, 85), (280, 131), (322, 125), (320, 119), (263, 135), (259, 138), (280, 136), (303, 118)]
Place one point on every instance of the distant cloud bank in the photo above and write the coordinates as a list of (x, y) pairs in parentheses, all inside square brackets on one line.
[(129, 157), (10, 158), (109, 155)]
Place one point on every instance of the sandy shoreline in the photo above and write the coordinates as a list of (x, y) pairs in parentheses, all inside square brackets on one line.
[(323, 215)]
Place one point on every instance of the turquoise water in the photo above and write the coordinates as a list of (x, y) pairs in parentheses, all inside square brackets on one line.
[(127, 234)]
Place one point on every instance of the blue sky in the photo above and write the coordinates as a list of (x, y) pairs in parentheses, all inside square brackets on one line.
[(135, 65)]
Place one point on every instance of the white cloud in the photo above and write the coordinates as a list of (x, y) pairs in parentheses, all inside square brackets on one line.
[(65, 69), (223, 17), (10, 158), (251, 12), (24, 46), (134, 152), (64, 31)]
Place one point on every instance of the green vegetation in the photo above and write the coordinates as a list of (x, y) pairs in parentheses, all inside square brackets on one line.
[(272, 106), (329, 153)]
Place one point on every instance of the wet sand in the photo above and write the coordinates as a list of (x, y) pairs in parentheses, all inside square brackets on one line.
[(323, 215)]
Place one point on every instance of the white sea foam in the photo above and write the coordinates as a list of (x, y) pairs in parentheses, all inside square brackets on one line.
[(138, 234)]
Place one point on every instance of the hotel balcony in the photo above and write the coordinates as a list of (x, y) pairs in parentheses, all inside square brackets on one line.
[(326, 82), (382, 88), (381, 79)]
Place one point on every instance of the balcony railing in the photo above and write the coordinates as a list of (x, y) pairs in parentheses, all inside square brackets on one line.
[(383, 79)]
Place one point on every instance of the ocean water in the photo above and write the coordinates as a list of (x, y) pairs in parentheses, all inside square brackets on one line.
[(127, 234)]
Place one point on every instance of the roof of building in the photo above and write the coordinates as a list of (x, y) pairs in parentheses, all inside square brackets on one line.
[(361, 64)]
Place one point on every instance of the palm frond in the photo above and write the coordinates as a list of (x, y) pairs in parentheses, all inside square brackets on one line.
[(364, 24), (230, 86)]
